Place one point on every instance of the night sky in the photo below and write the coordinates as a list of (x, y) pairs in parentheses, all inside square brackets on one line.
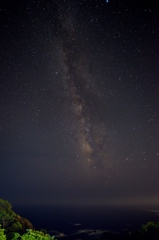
[(79, 102)]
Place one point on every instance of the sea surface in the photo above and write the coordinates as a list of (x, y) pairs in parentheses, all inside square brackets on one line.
[(78, 222)]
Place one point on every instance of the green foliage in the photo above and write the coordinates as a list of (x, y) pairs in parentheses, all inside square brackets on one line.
[(6, 213), (2, 234), (43, 230), (13, 227), (16, 227), (13, 236), (6, 216), (149, 226), (4, 204), (36, 235), (29, 235)]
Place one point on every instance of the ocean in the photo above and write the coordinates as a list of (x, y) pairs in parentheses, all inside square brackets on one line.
[(85, 222)]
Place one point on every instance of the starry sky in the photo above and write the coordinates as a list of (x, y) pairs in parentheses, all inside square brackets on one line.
[(79, 100)]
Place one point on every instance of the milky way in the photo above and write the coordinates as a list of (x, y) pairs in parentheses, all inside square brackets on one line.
[(90, 132), (79, 101)]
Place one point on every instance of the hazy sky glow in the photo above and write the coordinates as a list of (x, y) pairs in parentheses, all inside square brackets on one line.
[(79, 102)]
